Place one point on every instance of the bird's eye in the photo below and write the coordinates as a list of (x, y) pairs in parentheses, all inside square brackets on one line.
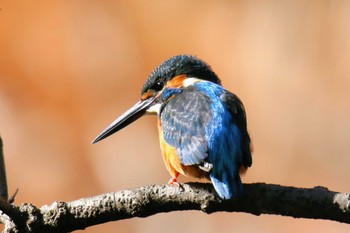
[(158, 86)]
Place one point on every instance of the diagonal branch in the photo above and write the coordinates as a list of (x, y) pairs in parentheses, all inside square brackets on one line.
[(258, 198), (3, 181)]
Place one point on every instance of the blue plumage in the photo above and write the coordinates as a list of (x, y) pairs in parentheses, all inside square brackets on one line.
[(224, 144), (202, 126), (203, 123)]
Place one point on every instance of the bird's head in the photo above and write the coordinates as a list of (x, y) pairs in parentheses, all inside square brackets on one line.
[(164, 81)]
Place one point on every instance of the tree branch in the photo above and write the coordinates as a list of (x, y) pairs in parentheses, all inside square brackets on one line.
[(3, 181), (5, 202), (258, 198)]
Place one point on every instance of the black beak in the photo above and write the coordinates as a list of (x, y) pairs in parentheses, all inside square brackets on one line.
[(134, 113)]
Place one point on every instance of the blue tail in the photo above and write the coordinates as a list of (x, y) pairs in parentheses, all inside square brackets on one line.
[(226, 187)]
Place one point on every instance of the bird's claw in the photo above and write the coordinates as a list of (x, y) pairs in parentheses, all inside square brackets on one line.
[(173, 181)]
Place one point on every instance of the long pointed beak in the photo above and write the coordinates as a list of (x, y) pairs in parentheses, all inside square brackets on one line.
[(134, 113)]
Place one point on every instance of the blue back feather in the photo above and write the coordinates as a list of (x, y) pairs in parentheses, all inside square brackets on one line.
[(224, 144), (200, 122)]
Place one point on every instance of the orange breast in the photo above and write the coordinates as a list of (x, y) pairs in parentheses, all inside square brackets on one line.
[(173, 163)]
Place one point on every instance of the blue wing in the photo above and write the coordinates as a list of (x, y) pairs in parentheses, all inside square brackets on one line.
[(236, 108), (229, 148), (207, 124), (183, 121)]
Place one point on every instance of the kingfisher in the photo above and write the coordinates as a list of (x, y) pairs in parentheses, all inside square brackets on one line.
[(202, 127)]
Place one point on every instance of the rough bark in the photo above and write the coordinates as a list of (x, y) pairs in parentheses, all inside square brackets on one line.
[(258, 198)]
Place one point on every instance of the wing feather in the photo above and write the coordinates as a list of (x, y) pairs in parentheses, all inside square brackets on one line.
[(207, 126), (183, 120), (235, 106)]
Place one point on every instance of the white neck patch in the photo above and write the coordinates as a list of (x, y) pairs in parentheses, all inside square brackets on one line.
[(190, 81), (154, 109)]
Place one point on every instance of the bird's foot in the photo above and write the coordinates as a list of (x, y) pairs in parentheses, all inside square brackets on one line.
[(173, 181)]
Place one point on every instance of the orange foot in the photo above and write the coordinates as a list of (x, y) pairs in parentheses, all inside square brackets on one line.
[(174, 182)]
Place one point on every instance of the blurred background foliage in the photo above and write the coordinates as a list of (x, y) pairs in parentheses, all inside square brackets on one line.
[(68, 68)]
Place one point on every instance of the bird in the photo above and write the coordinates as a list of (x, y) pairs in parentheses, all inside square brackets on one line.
[(202, 126)]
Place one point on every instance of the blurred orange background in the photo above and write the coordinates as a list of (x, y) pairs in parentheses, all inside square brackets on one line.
[(69, 68)]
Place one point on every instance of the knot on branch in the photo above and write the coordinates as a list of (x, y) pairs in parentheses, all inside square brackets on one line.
[(55, 214), (343, 200), (30, 217)]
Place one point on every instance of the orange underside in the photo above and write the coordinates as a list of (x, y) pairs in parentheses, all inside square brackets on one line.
[(172, 161)]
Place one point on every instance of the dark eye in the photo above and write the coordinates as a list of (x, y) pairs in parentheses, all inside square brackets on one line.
[(158, 86)]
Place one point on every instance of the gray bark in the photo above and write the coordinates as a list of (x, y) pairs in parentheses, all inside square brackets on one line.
[(258, 198)]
